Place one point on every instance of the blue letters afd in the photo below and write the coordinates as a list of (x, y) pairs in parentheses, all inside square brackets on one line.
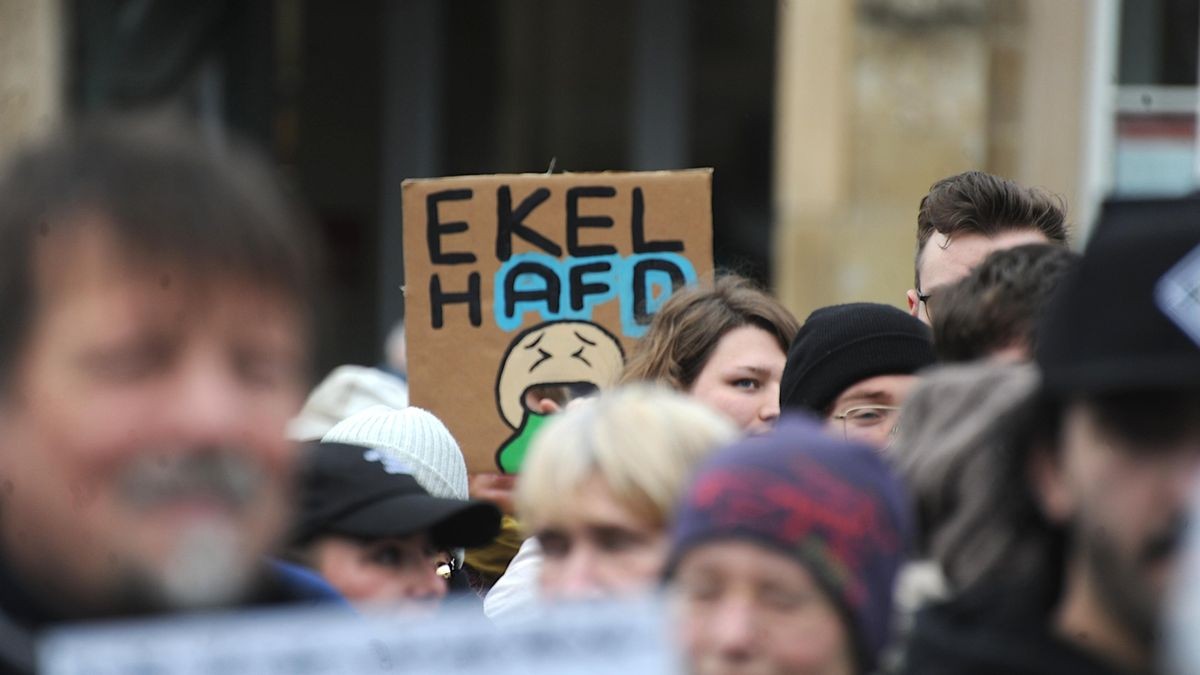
[(570, 289)]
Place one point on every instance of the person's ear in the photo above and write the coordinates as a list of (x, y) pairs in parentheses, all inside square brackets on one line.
[(914, 303), (1048, 478)]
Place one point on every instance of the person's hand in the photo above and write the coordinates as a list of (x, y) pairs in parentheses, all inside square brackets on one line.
[(494, 487)]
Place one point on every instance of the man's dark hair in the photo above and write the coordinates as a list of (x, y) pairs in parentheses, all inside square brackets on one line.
[(999, 304), (162, 195), (980, 203)]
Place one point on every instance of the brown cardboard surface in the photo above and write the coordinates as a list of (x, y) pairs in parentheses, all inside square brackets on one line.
[(471, 359)]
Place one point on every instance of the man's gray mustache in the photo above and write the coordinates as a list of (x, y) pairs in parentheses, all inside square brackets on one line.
[(225, 475)]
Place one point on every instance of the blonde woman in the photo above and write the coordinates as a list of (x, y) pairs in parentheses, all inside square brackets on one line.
[(598, 492)]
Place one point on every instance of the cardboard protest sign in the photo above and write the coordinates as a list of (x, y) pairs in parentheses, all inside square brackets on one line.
[(538, 282)]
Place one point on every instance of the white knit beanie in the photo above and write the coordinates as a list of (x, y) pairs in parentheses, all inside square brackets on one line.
[(344, 392), (413, 438)]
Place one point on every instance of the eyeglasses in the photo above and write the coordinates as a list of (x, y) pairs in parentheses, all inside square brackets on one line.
[(861, 423)]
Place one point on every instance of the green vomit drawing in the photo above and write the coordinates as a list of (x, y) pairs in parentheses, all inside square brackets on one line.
[(565, 355)]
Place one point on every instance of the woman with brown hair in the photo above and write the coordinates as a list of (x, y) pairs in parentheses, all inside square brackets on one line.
[(723, 343)]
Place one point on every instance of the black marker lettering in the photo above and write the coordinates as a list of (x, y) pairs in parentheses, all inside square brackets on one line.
[(637, 222), (510, 221), (549, 293), (438, 299), (575, 221), (581, 289), (641, 290), (434, 228)]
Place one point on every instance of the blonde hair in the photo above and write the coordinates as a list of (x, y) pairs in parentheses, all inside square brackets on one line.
[(642, 441), (686, 329)]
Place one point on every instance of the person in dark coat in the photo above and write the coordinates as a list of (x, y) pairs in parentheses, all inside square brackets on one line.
[(155, 343), (1094, 473)]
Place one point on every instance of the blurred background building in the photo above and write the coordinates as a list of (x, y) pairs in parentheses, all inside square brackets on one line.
[(826, 120)]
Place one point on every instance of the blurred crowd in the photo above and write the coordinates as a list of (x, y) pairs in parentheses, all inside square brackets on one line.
[(994, 481)]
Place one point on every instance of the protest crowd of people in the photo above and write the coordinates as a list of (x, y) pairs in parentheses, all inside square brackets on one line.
[(995, 481)]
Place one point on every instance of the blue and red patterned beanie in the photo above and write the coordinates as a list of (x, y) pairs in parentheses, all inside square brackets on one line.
[(833, 506)]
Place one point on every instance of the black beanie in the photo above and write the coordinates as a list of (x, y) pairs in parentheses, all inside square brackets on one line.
[(1129, 315), (839, 346)]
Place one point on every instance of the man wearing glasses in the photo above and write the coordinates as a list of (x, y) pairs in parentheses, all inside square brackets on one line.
[(854, 365), (967, 216)]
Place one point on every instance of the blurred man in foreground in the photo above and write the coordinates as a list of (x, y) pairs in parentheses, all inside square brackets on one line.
[(1093, 486), (154, 345)]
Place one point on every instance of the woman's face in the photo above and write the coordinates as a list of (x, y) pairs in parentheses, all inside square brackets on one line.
[(740, 607), (741, 378), (394, 570), (595, 547)]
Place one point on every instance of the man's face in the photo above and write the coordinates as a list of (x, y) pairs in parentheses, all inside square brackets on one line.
[(867, 411), (144, 458), (1124, 500), (946, 260)]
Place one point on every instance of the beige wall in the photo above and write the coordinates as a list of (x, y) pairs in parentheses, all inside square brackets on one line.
[(30, 69), (877, 99), (1053, 101)]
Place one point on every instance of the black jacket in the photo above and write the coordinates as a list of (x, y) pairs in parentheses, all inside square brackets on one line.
[(989, 633)]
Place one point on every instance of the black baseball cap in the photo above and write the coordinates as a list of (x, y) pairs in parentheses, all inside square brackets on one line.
[(1128, 317), (363, 493)]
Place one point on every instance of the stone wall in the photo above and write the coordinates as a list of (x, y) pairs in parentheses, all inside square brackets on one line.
[(31, 67), (877, 99)]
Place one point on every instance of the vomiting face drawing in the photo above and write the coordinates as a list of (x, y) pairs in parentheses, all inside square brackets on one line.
[(557, 356)]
